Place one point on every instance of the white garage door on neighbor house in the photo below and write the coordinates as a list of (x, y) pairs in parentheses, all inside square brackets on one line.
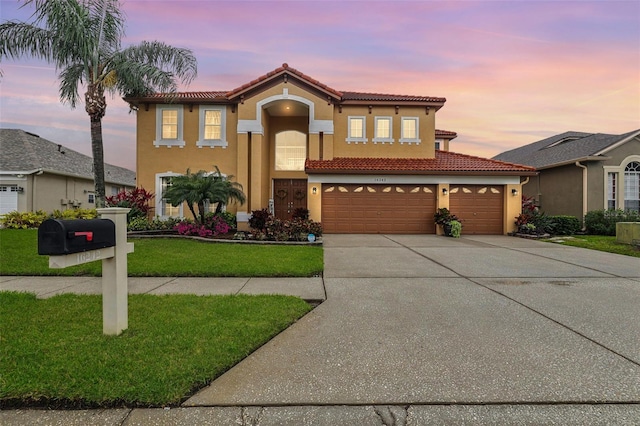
[(8, 198)]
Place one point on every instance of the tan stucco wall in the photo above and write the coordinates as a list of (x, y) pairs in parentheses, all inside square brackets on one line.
[(151, 160), (426, 133)]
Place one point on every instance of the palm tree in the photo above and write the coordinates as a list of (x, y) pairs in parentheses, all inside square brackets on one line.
[(225, 191), (82, 38), (197, 188)]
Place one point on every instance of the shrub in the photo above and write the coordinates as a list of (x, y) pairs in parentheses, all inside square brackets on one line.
[(603, 222), (300, 213), (189, 228), (216, 223), (230, 218), (137, 199), (23, 220), (156, 224), (564, 225), (259, 218), (71, 214)]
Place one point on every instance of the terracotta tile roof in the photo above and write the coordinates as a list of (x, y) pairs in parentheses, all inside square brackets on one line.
[(226, 96), (444, 163), (443, 133), (280, 70), (359, 96), (211, 95)]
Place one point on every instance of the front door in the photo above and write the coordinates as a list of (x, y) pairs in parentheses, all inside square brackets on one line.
[(288, 195)]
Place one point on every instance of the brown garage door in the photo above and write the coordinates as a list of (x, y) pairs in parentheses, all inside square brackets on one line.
[(378, 209), (479, 207)]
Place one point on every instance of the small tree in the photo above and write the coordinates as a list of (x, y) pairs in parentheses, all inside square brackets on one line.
[(196, 189)]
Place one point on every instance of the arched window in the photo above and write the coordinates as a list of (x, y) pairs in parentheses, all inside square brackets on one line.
[(632, 186), (291, 150)]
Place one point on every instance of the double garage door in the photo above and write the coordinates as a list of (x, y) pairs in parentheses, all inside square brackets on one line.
[(407, 209)]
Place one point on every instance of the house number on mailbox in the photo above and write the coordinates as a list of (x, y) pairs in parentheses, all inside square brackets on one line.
[(89, 256)]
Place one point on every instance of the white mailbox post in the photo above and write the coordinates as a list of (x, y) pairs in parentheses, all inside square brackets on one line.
[(115, 311)]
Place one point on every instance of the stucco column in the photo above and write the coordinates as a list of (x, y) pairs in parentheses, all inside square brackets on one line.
[(327, 147), (314, 198), (442, 200), (512, 206), (256, 172), (314, 146), (242, 177)]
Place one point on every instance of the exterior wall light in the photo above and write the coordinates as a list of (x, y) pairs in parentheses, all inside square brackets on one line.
[(314, 190), (514, 192), (445, 191)]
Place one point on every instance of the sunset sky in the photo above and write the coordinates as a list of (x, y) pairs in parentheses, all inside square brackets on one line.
[(513, 72)]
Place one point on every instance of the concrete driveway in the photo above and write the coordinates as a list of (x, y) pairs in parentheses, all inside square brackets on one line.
[(426, 328)]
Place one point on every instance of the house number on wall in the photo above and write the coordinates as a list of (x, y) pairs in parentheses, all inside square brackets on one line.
[(379, 179)]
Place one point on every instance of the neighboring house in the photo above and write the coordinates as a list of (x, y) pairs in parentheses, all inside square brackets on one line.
[(37, 174), (360, 162), (580, 172)]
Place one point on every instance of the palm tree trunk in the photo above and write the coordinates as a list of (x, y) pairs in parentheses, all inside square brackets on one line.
[(98, 162), (96, 105)]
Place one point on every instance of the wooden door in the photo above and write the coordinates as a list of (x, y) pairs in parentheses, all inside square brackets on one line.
[(288, 195)]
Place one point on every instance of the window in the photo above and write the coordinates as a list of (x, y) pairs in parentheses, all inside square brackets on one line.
[(163, 207), (291, 150), (92, 199), (439, 144), (383, 130), (612, 188), (169, 126), (212, 127), (357, 131), (632, 186), (409, 130)]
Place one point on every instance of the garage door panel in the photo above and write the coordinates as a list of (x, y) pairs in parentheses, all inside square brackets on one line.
[(378, 208), (479, 207)]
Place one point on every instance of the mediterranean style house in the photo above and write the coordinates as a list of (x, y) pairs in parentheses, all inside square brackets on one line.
[(579, 172), (359, 162), (38, 174)]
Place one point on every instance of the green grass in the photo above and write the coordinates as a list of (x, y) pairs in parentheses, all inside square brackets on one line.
[(171, 257), (601, 243), (53, 351)]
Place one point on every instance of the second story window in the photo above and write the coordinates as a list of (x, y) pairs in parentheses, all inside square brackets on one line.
[(383, 130), (409, 130), (212, 127), (169, 126), (357, 131), (291, 150)]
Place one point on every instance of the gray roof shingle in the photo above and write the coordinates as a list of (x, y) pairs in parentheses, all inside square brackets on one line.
[(562, 149), (23, 151)]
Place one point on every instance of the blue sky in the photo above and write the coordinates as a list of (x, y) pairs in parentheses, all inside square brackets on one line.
[(512, 72)]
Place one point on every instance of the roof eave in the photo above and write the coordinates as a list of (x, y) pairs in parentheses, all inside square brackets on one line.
[(617, 144), (423, 172), (435, 104), (568, 162)]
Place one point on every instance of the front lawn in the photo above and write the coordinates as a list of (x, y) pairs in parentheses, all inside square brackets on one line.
[(53, 351), (171, 257), (598, 242)]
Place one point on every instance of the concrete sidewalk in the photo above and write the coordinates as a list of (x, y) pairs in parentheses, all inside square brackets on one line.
[(309, 289), (421, 329)]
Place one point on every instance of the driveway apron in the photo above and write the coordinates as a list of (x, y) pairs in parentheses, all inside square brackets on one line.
[(423, 319)]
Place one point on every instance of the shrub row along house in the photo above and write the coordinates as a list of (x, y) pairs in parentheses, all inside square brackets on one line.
[(37, 174), (581, 172), (360, 162)]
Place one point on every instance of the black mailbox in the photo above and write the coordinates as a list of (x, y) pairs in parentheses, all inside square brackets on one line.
[(58, 237)]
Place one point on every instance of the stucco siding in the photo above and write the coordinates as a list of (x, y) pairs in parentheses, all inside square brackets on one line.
[(558, 191), (426, 133)]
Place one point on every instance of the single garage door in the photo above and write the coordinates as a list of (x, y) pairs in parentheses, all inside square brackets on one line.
[(479, 207), (378, 209), (8, 199)]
